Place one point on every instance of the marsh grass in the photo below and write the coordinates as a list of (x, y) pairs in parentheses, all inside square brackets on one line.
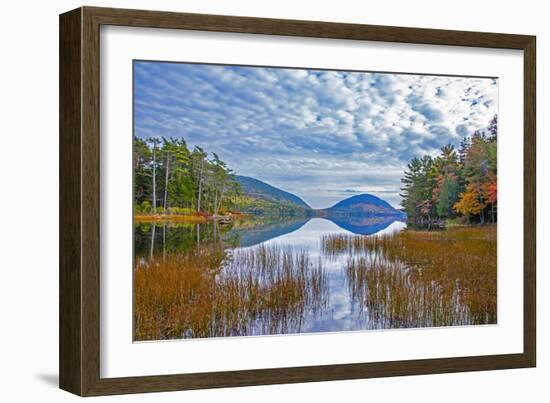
[(208, 292), (421, 278)]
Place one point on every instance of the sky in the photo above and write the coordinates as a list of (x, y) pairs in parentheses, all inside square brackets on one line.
[(323, 135)]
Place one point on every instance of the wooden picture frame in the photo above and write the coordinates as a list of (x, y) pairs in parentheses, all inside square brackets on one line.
[(79, 346)]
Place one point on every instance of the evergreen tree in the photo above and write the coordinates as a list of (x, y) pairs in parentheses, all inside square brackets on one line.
[(454, 183), (168, 177)]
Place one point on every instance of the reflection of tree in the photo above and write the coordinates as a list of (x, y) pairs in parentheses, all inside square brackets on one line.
[(176, 236), (153, 240), (182, 236)]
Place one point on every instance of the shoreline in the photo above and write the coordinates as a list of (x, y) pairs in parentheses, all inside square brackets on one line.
[(190, 218), (236, 216)]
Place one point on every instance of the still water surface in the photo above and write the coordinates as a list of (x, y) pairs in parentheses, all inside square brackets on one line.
[(341, 313), (279, 276)]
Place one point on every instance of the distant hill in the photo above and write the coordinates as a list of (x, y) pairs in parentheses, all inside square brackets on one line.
[(364, 204), (262, 198), (258, 189)]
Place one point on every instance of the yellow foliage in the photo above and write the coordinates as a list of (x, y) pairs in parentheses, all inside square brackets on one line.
[(470, 202)]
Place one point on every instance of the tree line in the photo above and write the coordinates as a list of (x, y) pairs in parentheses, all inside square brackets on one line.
[(455, 183), (171, 179)]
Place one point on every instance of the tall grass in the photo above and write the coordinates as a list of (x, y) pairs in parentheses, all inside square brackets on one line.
[(208, 292), (421, 278)]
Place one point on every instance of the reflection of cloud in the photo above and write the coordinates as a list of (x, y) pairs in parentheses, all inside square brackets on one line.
[(309, 131)]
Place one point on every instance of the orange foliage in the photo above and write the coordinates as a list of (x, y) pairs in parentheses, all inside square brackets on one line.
[(471, 201), (490, 190)]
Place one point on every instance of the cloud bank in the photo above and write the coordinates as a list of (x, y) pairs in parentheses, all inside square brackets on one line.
[(322, 135)]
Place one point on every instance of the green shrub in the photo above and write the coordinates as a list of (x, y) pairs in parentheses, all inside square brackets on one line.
[(145, 207)]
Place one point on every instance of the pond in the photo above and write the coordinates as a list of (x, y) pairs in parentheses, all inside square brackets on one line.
[(300, 275)]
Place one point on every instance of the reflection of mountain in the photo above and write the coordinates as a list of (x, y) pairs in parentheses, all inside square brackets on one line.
[(364, 225), (264, 231), (174, 237)]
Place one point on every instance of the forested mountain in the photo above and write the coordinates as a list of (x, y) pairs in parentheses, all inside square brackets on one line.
[(258, 197), (268, 198), (363, 204), (258, 189)]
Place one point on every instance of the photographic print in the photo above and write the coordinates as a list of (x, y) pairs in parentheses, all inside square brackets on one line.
[(272, 200)]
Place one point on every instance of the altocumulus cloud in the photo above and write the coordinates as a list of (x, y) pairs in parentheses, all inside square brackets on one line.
[(323, 135)]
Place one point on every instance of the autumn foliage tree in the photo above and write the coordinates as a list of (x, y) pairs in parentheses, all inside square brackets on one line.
[(452, 183), (471, 201)]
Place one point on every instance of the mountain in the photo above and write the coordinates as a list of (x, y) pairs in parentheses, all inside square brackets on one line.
[(261, 190), (364, 204), (262, 198)]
